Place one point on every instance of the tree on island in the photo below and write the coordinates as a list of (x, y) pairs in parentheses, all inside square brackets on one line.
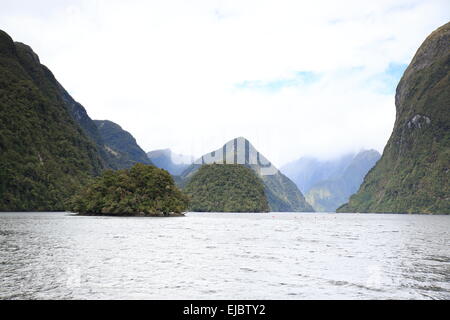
[(141, 190)]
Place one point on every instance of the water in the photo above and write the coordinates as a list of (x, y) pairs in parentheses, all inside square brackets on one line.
[(225, 256)]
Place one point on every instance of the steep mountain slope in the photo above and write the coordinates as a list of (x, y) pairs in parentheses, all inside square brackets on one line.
[(328, 195), (47, 82), (44, 154), (412, 175), (226, 188), (165, 159), (282, 194), (121, 145)]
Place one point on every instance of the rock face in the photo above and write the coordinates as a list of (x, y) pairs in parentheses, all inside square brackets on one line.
[(329, 194), (412, 175), (121, 145), (282, 194), (44, 153), (167, 160), (226, 188)]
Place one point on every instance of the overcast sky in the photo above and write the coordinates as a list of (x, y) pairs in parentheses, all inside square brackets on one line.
[(294, 77)]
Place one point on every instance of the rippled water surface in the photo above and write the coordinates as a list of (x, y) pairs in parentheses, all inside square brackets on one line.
[(225, 256)]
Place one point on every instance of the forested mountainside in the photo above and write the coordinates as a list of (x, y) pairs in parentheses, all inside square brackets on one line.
[(49, 146), (412, 176), (44, 153), (121, 145)]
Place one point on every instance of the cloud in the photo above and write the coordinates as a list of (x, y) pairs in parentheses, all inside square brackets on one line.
[(294, 77)]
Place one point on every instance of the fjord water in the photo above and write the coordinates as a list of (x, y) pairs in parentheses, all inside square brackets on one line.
[(223, 255)]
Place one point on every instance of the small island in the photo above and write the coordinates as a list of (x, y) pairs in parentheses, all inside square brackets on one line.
[(142, 190), (226, 188)]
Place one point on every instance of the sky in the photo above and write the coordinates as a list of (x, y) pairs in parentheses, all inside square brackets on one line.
[(296, 78)]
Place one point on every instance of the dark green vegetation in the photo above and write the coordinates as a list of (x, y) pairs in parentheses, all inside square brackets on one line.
[(328, 194), (163, 159), (282, 194), (49, 147), (226, 188), (44, 154), (121, 145), (142, 190), (412, 175)]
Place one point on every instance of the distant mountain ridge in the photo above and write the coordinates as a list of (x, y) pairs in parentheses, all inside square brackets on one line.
[(175, 164), (328, 195), (282, 194), (308, 171)]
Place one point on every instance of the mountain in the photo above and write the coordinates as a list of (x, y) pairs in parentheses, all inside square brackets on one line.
[(172, 162), (308, 171), (42, 75), (226, 188), (327, 195), (44, 153), (118, 157), (121, 145), (412, 175), (282, 194)]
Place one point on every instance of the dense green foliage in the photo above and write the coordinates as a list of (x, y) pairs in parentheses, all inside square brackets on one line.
[(141, 190), (412, 175), (44, 155), (226, 188), (329, 194), (122, 147)]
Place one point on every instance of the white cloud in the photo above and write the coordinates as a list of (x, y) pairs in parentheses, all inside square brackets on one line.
[(167, 71)]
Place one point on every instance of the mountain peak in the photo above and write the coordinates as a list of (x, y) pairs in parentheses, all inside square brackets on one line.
[(239, 151)]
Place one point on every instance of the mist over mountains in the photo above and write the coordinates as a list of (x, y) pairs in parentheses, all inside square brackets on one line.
[(170, 161), (329, 184)]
